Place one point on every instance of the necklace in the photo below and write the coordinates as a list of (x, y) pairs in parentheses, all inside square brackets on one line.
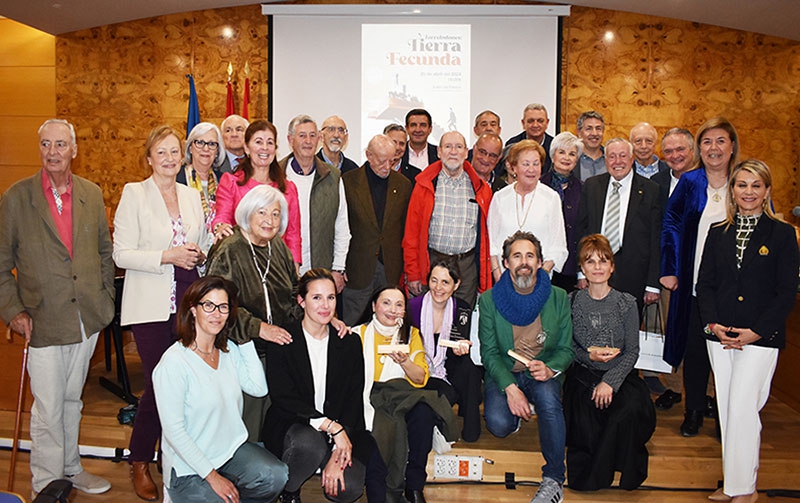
[(263, 274), (527, 211), (209, 354)]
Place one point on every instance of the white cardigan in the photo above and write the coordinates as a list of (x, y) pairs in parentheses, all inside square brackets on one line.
[(142, 231)]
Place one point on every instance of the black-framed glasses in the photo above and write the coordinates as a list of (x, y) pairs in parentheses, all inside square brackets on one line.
[(209, 307), (213, 145)]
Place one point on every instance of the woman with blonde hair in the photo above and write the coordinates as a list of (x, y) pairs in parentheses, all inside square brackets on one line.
[(745, 291)]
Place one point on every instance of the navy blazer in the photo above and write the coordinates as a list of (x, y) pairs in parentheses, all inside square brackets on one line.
[(433, 156), (759, 295), (663, 179), (569, 206), (548, 139), (636, 262)]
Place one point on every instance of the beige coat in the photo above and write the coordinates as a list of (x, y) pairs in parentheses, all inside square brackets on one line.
[(142, 231), (50, 286)]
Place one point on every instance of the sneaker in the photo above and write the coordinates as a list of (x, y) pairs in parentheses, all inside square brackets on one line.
[(88, 483), (549, 491)]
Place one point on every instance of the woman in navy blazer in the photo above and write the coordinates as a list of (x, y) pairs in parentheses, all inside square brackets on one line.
[(746, 289)]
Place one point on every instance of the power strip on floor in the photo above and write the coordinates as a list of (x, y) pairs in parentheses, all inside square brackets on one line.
[(447, 466)]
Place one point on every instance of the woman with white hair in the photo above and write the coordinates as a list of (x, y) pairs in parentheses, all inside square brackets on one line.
[(262, 267), (565, 151), (204, 153)]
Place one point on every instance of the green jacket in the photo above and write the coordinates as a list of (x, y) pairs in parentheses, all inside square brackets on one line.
[(497, 337), (50, 286)]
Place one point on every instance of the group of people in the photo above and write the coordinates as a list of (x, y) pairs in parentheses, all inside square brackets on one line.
[(309, 314)]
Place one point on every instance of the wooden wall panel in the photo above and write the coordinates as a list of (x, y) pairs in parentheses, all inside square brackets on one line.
[(676, 73), (27, 97), (117, 94)]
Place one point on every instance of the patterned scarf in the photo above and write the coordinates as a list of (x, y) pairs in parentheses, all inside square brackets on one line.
[(557, 183), (209, 204), (433, 353), (521, 310), (745, 224)]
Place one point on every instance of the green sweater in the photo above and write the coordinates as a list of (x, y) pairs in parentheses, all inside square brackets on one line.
[(497, 337)]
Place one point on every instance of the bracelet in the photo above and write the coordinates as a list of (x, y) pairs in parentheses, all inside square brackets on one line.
[(340, 430)]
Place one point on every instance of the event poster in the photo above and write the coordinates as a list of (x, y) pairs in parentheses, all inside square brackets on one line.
[(405, 66)]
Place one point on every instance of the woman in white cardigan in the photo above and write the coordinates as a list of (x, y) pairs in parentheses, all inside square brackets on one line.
[(157, 228)]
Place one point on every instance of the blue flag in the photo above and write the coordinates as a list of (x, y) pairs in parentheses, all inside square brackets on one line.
[(193, 118)]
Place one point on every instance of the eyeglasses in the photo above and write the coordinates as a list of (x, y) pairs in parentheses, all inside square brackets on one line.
[(210, 144), (209, 307), (335, 129), (491, 155)]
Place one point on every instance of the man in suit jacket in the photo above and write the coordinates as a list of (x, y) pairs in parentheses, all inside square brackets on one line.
[(398, 135), (377, 201), (54, 232), (233, 129), (419, 152), (534, 122), (638, 233), (678, 149)]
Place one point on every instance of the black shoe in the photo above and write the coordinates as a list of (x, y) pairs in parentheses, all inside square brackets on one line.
[(289, 497), (692, 421), (414, 496), (667, 400), (711, 407)]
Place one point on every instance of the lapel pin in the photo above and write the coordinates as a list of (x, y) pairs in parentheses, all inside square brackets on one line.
[(763, 251)]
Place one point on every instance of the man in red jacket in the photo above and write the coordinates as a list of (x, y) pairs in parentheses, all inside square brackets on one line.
[(447, 220)]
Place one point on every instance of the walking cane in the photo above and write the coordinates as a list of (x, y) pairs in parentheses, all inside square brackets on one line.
[(18, 418)]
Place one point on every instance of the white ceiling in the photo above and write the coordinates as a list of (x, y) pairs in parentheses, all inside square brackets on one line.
[(772, 17)]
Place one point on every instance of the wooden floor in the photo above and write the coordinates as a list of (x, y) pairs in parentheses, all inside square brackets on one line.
[(681, 469)]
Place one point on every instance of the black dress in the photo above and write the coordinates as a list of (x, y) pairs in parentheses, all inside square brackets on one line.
[(603, 441)]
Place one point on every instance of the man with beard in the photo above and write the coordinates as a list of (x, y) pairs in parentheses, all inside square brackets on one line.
[(591, 127), (534, 122), (334, 141), (233, 129), (524, 313), (447, 221)]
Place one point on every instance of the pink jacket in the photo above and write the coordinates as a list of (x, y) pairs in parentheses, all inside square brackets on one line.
[(229, 193)]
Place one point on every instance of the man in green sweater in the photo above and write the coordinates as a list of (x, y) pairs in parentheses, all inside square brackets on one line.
[(525, 314)]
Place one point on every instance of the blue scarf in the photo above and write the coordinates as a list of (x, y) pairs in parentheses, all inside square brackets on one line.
[(521, 310)]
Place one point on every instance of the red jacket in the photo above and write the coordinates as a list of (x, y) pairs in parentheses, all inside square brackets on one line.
[(420, 208)]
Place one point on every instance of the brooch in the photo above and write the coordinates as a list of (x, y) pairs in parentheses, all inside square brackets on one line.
[(763, 250)]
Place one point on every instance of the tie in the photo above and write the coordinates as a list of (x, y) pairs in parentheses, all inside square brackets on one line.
[(612, 218), (239, 160)]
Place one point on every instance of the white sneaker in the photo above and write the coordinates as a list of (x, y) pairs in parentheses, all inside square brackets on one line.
[(88, 483), (440, 444), (549, 491)]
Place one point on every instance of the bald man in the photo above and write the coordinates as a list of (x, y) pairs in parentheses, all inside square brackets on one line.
[(377, 201), (644, 138), (447, 220)]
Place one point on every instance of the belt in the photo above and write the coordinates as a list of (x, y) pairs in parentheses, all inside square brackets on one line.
[(456, 257)]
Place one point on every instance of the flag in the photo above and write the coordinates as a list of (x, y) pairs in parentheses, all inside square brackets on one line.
[(246, 99), (193, 117), (229, 110)]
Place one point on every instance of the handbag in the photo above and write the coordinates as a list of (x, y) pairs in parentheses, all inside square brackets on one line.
[(651, 343)]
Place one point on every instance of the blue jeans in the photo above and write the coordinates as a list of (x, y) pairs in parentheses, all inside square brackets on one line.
[(546, 397), (257, 474)]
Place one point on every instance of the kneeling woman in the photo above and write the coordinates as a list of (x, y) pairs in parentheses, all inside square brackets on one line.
[(316, 420), (607, 406), (400, 414), (198, 388), (441, 317)]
